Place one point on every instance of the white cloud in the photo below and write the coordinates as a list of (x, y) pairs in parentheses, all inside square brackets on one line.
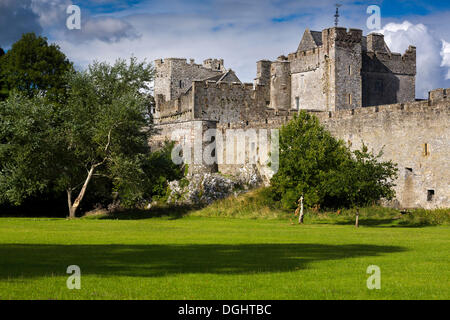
[(445, 53), (50, 12), (430, 74)]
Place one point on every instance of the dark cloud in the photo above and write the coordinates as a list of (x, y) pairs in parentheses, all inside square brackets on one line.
[(16, 18)]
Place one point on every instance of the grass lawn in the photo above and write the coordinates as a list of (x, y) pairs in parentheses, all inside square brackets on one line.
[(220, 258)]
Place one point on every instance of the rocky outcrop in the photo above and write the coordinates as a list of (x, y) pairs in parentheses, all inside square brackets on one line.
[(209, 187)]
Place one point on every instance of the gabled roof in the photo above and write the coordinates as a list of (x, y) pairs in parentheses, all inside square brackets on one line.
[(310, 40), (228, 76)]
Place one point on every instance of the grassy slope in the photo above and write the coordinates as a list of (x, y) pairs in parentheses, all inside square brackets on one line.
[(219, 258)]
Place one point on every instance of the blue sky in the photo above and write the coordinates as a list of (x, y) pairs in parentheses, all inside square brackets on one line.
[(239, 31)]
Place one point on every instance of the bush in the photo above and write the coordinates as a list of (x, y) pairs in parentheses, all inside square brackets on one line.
[(322, 169)]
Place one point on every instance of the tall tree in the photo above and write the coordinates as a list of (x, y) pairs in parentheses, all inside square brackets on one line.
[(3, 90), (315, 165), (100, 132), (33, 66)]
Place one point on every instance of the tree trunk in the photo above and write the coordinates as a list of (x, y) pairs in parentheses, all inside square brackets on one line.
[(69, 202), (74, 206)]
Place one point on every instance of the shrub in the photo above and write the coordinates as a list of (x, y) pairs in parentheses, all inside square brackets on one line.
[(322, 169)]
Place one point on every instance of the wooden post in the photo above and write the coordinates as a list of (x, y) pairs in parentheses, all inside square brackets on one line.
[(357, 218), (300, 218)]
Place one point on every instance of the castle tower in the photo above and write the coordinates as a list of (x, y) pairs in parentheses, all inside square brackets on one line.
[(343, 50), (280, 84)]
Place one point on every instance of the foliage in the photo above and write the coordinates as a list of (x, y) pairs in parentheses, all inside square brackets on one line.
[(100, 132), (158, 169), (255, 204), (422, 217), (322, 169), (3, 89), (33, 66)]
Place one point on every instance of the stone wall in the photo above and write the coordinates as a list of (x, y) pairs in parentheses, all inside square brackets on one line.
[(229, 102), (388, 77), (174, 75), (346, 61), (416, 136)]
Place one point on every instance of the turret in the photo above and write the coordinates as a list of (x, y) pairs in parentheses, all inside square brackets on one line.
[(280, 84)]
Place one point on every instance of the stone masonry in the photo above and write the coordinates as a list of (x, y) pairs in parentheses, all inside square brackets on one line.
[(357, 87)]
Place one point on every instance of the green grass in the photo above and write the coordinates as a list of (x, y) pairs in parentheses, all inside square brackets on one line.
[(189, 257)]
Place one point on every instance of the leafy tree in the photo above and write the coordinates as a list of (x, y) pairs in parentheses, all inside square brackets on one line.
[(3, 90), (322, 169), (33, 66), (99, 133)]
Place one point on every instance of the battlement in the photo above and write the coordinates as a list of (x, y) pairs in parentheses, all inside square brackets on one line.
[(210, 64), (249, 87), (340, 35), (214, 64), (384, 61), (438, 99), (439, 95)]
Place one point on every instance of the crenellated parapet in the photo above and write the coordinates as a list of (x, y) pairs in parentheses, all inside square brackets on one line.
[(439, 95)]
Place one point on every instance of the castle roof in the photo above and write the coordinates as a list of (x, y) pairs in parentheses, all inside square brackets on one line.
[(310, 40), (228, 76)]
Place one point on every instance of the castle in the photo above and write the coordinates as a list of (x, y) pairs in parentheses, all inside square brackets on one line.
[(357, 87)]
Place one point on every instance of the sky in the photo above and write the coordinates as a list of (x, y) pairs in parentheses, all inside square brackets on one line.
[(239, 31)]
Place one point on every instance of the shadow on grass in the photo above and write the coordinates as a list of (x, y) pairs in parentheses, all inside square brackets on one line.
[(171, 212), (28, 260)]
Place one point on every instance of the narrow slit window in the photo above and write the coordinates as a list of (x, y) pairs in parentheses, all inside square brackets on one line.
[(426, 149), (430, 195)]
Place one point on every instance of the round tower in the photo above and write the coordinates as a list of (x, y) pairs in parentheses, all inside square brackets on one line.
[(280, 84)]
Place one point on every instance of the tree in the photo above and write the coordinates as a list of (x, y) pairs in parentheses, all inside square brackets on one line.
[(101, 132), (33, 66), (3, 90), (322, 169)]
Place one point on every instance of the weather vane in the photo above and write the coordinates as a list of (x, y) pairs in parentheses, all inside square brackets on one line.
[(336, 16)]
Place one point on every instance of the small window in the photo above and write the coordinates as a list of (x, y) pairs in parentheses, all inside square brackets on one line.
[(349, 99), (426, 149), (297, 103), (350, 70), (430, 195), (181, 84)]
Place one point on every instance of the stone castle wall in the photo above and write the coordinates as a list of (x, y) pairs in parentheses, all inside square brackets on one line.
[(415, 135), (336, 74)]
